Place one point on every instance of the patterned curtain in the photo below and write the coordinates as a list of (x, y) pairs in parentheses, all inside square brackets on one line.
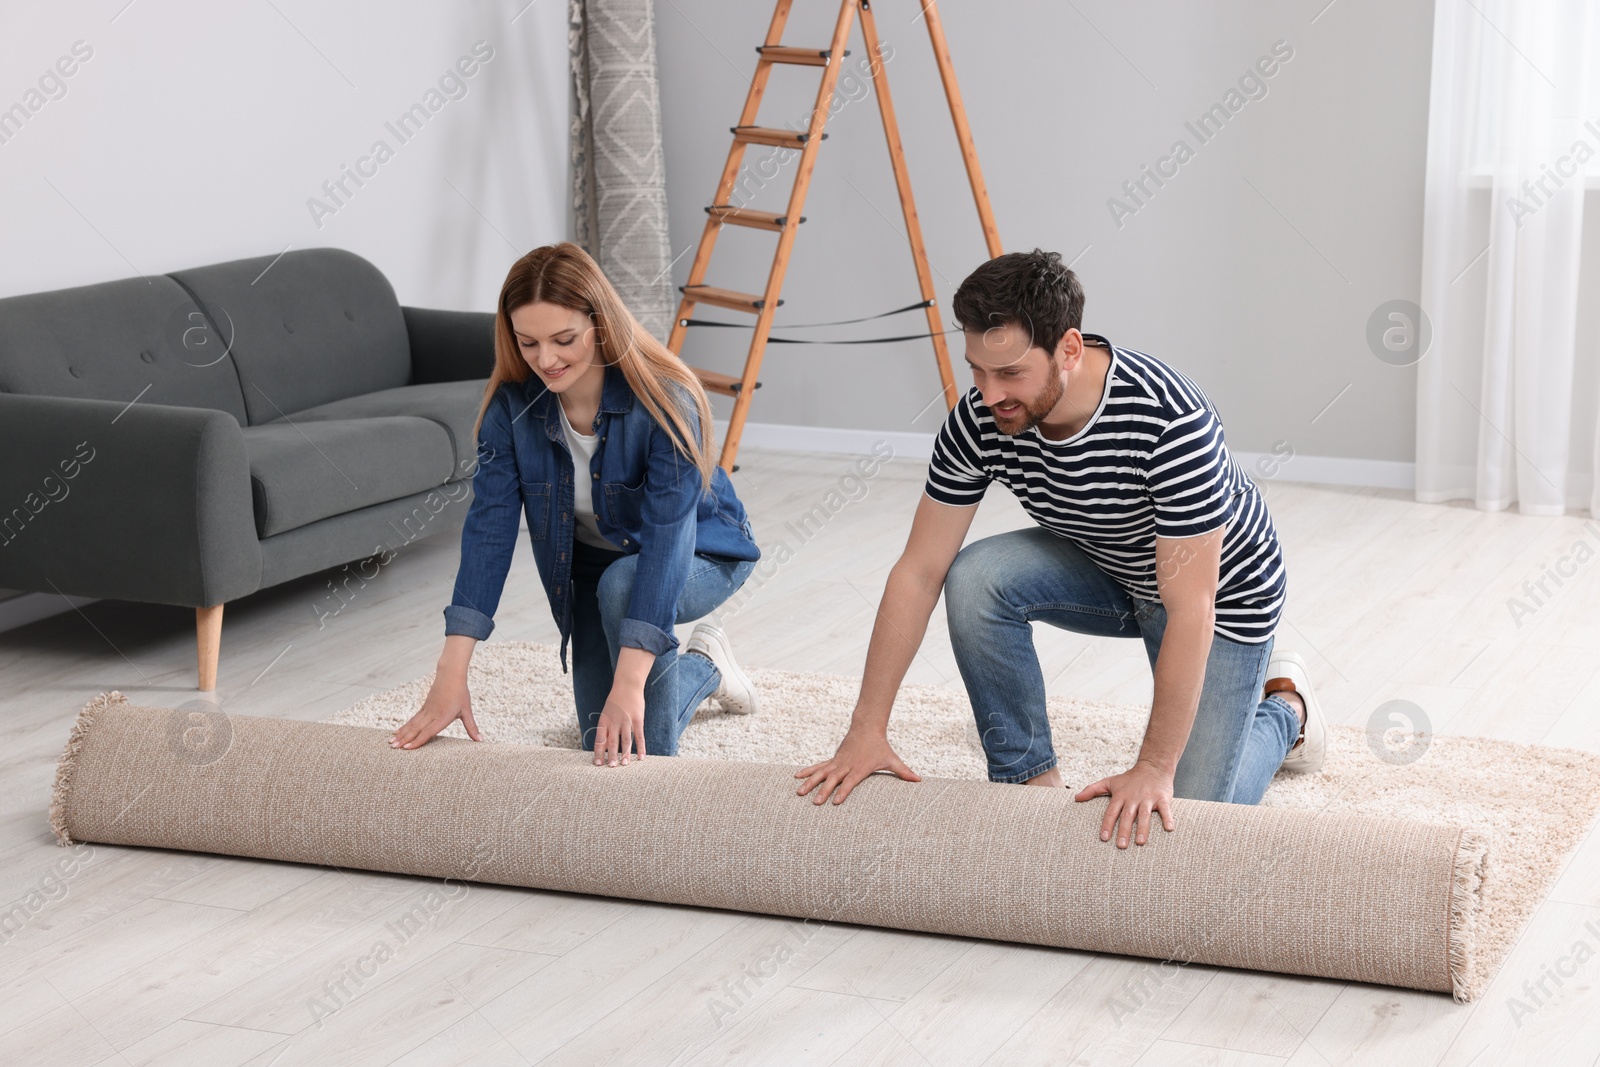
[(619, 192)]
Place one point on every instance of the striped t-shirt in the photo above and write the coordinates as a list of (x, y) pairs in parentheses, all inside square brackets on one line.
[(1150, 462)]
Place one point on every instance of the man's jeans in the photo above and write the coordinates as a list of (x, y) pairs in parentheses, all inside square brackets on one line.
[(998, 585), (602, 583)]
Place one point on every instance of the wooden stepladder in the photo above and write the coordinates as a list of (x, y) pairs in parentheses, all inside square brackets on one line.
[(722, 212)]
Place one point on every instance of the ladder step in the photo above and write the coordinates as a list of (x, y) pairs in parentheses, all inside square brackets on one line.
[(726, 384), (769, 135), (805, 57), (743, 216), (724, 298)]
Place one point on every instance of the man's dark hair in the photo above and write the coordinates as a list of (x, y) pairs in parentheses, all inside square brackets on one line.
[(1034, 290)]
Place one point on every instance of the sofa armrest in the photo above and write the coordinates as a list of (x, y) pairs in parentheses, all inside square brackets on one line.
[(142, 502), (449, 346)]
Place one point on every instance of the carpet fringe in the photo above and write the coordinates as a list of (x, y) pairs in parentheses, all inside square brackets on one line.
[(1466, 908), (69, 761)]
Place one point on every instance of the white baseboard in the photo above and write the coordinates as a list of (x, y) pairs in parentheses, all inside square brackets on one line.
[(830, 440), (1319, 470), (1331, 470)]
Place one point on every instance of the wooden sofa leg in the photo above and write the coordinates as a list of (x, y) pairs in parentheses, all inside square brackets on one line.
[(208, 642)]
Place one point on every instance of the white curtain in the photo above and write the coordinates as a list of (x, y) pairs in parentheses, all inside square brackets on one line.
[(1507, 393)]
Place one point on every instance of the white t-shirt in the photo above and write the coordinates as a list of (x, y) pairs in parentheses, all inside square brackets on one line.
[(584, 528)]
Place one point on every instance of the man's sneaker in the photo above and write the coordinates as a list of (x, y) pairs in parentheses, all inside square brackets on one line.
[(1287, 671), (736, 694)]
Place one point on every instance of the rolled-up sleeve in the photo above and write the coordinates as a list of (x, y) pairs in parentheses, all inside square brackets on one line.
[(666, 543), (489, 533)]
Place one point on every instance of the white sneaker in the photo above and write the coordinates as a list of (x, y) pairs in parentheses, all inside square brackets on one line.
[(1286, 670), (736, 694)]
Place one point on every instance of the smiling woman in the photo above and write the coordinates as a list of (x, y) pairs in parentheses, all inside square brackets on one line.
[(600, 438)]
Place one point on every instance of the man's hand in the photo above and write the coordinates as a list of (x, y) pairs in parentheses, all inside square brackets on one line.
[(859, 754), (1186, 578), (1134, 793), (909, 597), (448, 700), (621, 725)]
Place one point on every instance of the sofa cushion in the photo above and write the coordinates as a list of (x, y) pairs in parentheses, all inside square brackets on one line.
[(139, 337), (453, 405), (307, 327), (302, 472)]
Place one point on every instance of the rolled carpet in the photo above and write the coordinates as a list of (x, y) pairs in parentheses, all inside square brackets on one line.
[(1333, 895)]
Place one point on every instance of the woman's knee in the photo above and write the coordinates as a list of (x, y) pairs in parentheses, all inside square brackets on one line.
[(616, 589)]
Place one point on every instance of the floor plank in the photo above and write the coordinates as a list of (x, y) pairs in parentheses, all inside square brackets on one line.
[(144, 956)]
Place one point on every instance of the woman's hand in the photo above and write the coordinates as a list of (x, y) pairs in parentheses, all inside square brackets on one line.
[(448, 700), (621, 723), (622, 719)]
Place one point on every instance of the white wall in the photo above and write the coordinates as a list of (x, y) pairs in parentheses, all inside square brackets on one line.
[(1254, 269), (196, 133)]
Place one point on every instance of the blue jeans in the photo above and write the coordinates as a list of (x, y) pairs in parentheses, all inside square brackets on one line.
[(998, 585), (602, 584)]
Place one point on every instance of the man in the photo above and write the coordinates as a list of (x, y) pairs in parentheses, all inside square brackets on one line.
[(1146, 527)]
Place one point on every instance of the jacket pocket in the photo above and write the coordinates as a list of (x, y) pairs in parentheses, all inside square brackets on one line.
[(536, 505), (625, 504)]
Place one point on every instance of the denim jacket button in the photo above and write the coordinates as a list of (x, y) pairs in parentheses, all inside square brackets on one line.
[(624, 540)]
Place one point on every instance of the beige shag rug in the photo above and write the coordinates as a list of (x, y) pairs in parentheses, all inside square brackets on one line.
[(1535, 802)]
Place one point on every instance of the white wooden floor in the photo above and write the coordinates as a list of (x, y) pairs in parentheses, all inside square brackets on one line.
[(143, 957)]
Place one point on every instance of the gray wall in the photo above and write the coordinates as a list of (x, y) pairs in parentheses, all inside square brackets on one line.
[(1254, 269)]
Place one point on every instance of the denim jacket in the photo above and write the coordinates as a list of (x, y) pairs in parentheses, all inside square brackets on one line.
[(646, 495)]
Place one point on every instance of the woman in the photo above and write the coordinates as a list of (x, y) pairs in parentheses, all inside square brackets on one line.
[(601, 437)]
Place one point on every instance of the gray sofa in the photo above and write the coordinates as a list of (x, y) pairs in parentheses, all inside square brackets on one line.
[(193, 437)]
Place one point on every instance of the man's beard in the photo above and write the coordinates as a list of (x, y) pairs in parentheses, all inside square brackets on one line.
[(1034, 411)]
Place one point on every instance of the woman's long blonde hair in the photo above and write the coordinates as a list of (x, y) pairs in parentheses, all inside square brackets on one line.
[(565, 275)]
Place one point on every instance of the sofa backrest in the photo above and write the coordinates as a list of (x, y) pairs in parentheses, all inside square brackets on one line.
[(138, 337), (305, 328)]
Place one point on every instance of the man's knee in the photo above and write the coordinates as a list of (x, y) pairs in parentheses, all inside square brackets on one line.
[(972, 575)]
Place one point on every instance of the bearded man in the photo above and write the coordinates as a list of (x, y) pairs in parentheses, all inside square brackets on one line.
[(1145, 527)]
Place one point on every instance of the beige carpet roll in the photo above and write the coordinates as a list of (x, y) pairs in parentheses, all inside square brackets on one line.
[(1338, 896)]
